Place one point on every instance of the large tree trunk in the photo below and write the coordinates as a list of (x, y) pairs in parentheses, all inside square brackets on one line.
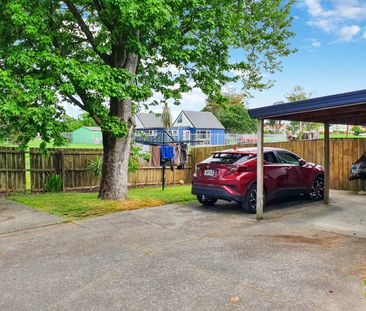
[(114, 182), (113, 185)]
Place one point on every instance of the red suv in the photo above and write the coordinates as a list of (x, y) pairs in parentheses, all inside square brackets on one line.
[(231, 175)]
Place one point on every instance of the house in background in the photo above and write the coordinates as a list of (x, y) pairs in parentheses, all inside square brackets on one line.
[(87, 135), (202, 127), (148, 124)]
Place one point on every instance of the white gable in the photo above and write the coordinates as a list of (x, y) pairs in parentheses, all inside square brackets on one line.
[(182, 121), (139, 125)]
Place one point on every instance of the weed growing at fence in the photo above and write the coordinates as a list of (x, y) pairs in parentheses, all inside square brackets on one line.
[(53, 184)]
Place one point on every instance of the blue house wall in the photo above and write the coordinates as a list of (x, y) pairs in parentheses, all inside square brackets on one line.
[(217, 135)]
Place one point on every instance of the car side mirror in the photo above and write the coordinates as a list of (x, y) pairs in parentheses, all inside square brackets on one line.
[(302, 162)]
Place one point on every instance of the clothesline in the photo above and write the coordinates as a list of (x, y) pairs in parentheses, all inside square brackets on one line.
[(166, 151)]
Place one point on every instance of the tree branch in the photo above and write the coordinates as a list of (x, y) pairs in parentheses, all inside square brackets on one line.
[(86, 30), (76, 102)]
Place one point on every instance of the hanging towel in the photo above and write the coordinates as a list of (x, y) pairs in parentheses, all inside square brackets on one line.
[(184, 154), (155, 156), (178, 155), (167, 153)]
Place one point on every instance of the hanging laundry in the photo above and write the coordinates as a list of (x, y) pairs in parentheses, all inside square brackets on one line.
[(167, 153), (178, 155), (154, 156), (184, 153)]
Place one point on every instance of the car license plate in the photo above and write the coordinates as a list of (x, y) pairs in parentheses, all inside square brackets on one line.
[(209, 173)]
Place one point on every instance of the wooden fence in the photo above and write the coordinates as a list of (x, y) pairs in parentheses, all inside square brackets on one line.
[(343, 152), (71, 164), (12, 170)]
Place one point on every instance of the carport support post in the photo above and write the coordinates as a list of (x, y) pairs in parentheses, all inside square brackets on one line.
[(260, 183), (326, 163)]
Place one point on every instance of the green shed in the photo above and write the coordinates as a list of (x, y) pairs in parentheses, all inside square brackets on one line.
[(87, 135)]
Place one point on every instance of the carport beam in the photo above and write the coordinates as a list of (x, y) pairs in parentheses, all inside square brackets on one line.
[(326, 163), (260, 140)]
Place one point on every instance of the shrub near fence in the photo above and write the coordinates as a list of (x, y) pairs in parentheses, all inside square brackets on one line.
[(343, 152)]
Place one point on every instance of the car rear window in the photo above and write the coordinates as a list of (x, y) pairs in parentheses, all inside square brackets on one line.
[(228, 158)]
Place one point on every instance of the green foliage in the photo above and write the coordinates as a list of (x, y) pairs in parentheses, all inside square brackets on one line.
[(237, 120), (73, 124), (111, 54), (53, 183), (95, 167), (297, 127), (135, 154), (357, 130), (231, 112)]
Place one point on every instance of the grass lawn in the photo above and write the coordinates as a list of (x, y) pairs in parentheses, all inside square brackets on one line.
[(74, 205), (342, 136)]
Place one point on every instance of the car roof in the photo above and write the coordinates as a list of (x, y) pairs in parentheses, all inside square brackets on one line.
[(250, 150)]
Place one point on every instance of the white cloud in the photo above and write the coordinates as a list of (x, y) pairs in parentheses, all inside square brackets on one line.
[(315, 8), (323, 24), (316, 44), (348, 32), (343, 18)]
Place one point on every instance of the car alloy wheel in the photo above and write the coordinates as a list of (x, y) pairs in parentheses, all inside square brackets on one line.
[(253, 200), (317, 189)]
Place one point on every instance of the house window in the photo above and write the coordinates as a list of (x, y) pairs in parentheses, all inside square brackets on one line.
[(152, 133), (203, 137)]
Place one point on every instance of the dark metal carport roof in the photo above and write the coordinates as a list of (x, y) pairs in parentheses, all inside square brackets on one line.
[(345, 108)]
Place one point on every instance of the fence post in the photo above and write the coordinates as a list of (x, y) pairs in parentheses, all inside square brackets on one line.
[(62, 164)]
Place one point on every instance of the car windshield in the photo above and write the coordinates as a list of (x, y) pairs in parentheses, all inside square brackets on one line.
[(228, 158)]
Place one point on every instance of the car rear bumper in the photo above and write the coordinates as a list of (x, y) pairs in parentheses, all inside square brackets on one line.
[(218, 192)]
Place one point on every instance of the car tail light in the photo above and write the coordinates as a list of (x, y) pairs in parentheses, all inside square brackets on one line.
[(236, 169)]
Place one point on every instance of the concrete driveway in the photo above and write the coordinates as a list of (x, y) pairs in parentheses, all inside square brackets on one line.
[(187, 257), (15, 216)]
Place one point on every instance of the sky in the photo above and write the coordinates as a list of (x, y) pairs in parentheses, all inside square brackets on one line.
[(331, 57)]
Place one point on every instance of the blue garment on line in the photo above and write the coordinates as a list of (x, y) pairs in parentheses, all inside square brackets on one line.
[(167, 152)]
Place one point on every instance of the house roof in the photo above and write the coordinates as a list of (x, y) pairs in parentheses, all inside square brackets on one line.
[(92, 128), (149, 120), (344, 108), (203, 119)]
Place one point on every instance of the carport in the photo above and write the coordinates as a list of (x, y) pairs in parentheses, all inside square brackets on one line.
[(346, 108)]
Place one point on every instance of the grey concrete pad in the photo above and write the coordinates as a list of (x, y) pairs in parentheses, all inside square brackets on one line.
[(15, 216), (187, 257), (346, 214)]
